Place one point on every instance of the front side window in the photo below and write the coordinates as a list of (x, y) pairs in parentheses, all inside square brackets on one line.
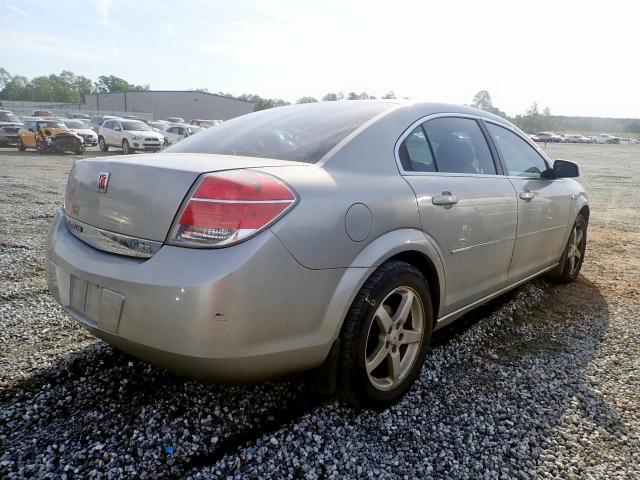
[(519, 158), (459, 146)]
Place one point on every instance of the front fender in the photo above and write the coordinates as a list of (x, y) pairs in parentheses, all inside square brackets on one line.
[(370, 258)]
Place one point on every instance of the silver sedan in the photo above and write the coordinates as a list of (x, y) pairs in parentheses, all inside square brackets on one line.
[(334, 237)]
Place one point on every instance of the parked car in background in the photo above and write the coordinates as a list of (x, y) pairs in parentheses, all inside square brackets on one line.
[(83, 129), (313, 236), (42, 113), (98, 119), (134, 117), (49, 136), (548, 137), (130, 135), (577, 138), (83, 116), (9, 126), (534, 137), (158, 125), (205, 123), (175, 133), (175, 120), (606, 138)]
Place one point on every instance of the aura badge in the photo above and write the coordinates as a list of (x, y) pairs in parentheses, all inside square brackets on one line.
[(103, 181)]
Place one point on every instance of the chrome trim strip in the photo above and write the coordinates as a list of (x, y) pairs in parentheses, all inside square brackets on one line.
[(215, 200), (541, 231), (112, 242), (450, 317), (493, 242)]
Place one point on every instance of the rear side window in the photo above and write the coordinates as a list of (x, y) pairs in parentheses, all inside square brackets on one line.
[(519, 158), (448, 145), (302, 133), (459, 146), (415, 153)]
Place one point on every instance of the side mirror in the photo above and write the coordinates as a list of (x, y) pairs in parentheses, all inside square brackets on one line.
[(31, 129), (565, 169), (117, 129)]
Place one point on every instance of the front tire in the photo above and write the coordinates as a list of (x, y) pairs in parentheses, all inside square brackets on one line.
[(40, 147), (125, 147), (102, 144), (20, 146), (80, 148), (385, 336), (574, 252)]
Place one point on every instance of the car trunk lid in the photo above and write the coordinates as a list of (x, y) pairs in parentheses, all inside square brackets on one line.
[(142, 193)]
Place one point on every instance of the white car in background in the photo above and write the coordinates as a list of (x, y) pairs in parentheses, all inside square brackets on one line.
[(158, 125), (606, 138), (175, 133), (130, 135), (83, 129), (175, 120)]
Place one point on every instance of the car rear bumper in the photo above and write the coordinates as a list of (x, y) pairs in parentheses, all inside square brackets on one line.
[(244, 313)]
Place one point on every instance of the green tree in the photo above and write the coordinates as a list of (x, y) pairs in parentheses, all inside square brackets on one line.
[(482, 100), (307, 100), (5, 78), (330, 97), (111, 83), (15, 89)]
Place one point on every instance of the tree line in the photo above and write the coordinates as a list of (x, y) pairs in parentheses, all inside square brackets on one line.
[(534, 120), (67, 87)]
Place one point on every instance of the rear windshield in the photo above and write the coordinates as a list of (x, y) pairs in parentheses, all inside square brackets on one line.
[(303, 133)]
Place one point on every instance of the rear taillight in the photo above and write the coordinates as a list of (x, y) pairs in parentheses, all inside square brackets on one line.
[(228, 207)]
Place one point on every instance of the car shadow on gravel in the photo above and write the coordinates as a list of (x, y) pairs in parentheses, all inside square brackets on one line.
[(100, 409), (107, 406)]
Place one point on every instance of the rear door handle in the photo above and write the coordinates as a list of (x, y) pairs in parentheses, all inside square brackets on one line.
[(527, 195), (447, 198)]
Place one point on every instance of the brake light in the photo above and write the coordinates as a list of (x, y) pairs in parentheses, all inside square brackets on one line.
[(228, 207)]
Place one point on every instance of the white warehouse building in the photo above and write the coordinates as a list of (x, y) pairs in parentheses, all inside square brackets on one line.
[(163, 104)]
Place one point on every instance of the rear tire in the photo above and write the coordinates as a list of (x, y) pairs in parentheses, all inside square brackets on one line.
[(385, 336), (40, 147), (80, 148), (103, 146), (574, 252), (125, 147)]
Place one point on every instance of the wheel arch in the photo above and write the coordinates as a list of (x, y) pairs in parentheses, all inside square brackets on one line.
[(409, 245)]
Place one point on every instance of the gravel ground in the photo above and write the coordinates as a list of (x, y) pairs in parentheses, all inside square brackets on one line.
[(541, 383)]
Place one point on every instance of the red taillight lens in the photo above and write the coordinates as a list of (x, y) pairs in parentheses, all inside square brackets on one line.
[(228, 207)]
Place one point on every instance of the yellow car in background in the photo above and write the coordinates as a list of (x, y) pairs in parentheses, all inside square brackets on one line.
[(49, 136)]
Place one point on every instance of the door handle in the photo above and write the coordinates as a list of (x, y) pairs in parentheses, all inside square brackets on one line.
[(447, 198), (527, 195)]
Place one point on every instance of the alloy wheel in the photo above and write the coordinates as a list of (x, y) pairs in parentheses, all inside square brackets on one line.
[(394, 338), (575, 250)]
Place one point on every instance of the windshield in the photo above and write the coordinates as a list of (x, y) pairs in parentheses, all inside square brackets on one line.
[(303, 133), (75, 124), (135, 126), (51, 124), (8, 117)]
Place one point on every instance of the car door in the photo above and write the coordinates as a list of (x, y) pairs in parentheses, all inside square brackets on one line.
[(32, 135), (466, 206), (543, 204)]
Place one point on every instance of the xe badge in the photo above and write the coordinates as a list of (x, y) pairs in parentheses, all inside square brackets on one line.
[(103, 181)]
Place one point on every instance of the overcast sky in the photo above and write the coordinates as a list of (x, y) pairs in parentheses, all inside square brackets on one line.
[(576, 57)]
